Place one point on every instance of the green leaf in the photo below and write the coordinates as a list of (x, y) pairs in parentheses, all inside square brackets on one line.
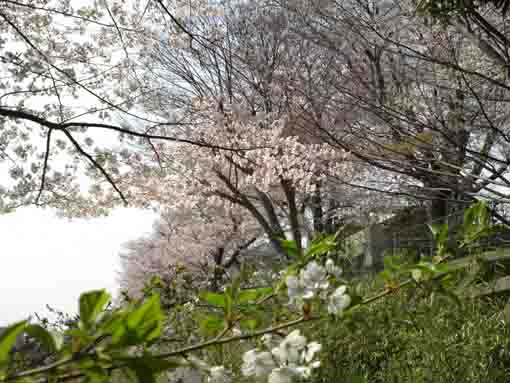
[(483, 213), (417, 275), (211, 324), (142, 324), (147, 368), (143, 373), (321, 246), (393, 264), (112, 322), (214, 299), (235, 286), (386, 275), (428, 267), (156, 281), (51, 340), (229, 302), (476, 219), (290, 247), (443, 268), (356, 299), (92, 303), (251, 295), (147, 319), (8, 340), (96, 374), (440, 232), (80, 338), (86, 363), (249, 324)]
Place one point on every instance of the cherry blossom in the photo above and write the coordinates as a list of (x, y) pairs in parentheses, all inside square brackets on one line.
[(338, 301), (312, 280), (218, 374), (257, 363), (292, 358)]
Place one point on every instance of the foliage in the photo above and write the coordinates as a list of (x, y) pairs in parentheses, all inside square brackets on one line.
[(423, 339), (97, 343), (279, 108), (270, 121), (412, 329)]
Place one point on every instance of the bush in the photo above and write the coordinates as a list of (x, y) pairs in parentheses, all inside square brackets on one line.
[(433, 339)]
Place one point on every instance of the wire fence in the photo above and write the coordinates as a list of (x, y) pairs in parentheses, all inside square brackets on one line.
[(411, 232)]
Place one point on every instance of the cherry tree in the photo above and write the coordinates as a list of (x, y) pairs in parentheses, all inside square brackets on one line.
[(144, 87), (414, 97), (72, 77), (207, 244), (234, 92)]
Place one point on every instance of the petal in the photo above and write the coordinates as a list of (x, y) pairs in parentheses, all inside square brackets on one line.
[(341, 290), (311, 350), (280, 375)]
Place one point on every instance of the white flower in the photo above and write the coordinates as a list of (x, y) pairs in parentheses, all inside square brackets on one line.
[(303, 371), (295, 339), (293, 357), (338, 301), (314, 277), (249, 363), (280, 375), (257, 363), (295, 289), (332, 269), (311, 279), (289, 350), (311, 350), (218, 374)]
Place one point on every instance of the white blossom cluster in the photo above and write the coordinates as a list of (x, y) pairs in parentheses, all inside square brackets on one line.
[(275, 153), (292, 358), (313, 280), (219, 374)]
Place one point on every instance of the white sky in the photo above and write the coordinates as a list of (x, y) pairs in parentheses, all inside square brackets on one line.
[(49, 260)]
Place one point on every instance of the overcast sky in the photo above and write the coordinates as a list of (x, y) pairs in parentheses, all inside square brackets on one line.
[(48, 260)]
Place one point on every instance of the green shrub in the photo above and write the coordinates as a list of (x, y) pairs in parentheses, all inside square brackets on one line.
[(405, 339)]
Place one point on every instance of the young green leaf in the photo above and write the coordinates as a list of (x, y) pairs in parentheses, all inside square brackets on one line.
[(214, 299), (141, 324), (147, 367), (91, 305), (321, 247), (8, 340), (211, 324), (96, 374), (251, 295), (290, 247), (146, 321), (249, 324), (440, 232), (51, 340)]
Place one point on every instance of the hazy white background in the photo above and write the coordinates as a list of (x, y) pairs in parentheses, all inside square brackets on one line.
[(49, 260)]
